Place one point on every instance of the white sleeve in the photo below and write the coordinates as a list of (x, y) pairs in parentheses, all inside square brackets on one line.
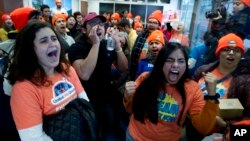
[(83, 95), (34, 133)]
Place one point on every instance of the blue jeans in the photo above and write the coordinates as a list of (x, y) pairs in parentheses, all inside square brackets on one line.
[(128, 136)]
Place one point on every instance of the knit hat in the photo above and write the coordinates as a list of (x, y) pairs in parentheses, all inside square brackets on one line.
[(138, 24), (156, 35), (116, 16), (4, 17), (57, 16), (20, 16), (246, 2), (230, 40), (157, 14)]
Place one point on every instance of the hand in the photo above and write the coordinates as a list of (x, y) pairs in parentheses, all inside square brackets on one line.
[(211, 82), (130, 88), (220, 122), (93, 36), (117, 42), (218, 17)]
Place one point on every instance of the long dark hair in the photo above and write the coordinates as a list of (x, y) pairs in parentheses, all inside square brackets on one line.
[(24, 60), (145, 99)]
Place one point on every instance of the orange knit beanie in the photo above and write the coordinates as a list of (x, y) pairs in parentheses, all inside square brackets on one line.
[(230, 40), (157, 14), (246, 2), (156, 35)]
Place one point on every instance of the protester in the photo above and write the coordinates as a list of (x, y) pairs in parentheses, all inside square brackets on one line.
[(39, 66), (161, 100)]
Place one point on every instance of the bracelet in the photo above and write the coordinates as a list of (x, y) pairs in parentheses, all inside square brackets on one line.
[(120, 50), (214, 97)]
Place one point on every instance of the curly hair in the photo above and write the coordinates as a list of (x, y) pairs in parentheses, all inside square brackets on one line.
[(24, 60), (145, 99)]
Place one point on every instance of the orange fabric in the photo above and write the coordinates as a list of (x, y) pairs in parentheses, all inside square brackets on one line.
[(30, 102), (130, 15), (179, 38), (4, 17), (243, 122), (138, 18), (57, 16), (138, 24), (156, 35), (196, 107), (20, 16), (246, 2), (116, 16), (156, 15), (230, 40)]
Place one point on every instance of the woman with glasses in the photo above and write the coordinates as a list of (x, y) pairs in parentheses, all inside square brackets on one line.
[(233, 75)]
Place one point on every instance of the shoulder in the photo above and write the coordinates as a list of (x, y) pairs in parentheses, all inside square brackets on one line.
[(142, 77)]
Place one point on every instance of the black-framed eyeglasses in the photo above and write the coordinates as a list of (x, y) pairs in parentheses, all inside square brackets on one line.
[(152, 23), (228, 50)]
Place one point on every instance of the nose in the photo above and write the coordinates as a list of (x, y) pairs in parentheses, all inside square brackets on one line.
[(175, 64), (231, 51)]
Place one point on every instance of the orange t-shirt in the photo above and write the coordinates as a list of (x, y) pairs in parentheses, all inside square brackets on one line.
[(180, 38), (221, 88), (169, 107), (30, 102)]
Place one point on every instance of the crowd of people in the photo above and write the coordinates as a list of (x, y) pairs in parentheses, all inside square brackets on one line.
[(144, 80)]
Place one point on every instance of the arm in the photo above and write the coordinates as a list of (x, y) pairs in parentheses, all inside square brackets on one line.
[(27, 112), (34, 133), (122, 62), (85, 67), (204, 117), (130, 88)]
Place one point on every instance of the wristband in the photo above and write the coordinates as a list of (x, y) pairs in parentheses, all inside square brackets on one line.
[(214, 97)]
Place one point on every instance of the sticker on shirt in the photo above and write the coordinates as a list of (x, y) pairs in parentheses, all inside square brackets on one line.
[(168, 107), (220, 89), (61, 91)]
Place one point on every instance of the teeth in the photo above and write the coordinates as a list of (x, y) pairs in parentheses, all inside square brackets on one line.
[(174, 71)]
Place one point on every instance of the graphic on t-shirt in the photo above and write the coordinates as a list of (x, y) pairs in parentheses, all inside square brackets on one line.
[(220, 89), (168, 107), (61, 91)]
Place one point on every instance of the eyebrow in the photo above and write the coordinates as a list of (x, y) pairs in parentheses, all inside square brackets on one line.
[(177, 58), (43, 38)]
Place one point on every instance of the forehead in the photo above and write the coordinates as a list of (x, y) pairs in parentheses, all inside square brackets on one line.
[(176, 54), (152, 20)]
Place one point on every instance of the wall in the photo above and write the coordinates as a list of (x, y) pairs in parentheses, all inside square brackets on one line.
[(93, 5), (75, 4)]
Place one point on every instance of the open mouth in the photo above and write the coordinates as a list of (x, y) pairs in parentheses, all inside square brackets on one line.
[(53, 53), (173, 76), (99, 33)]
